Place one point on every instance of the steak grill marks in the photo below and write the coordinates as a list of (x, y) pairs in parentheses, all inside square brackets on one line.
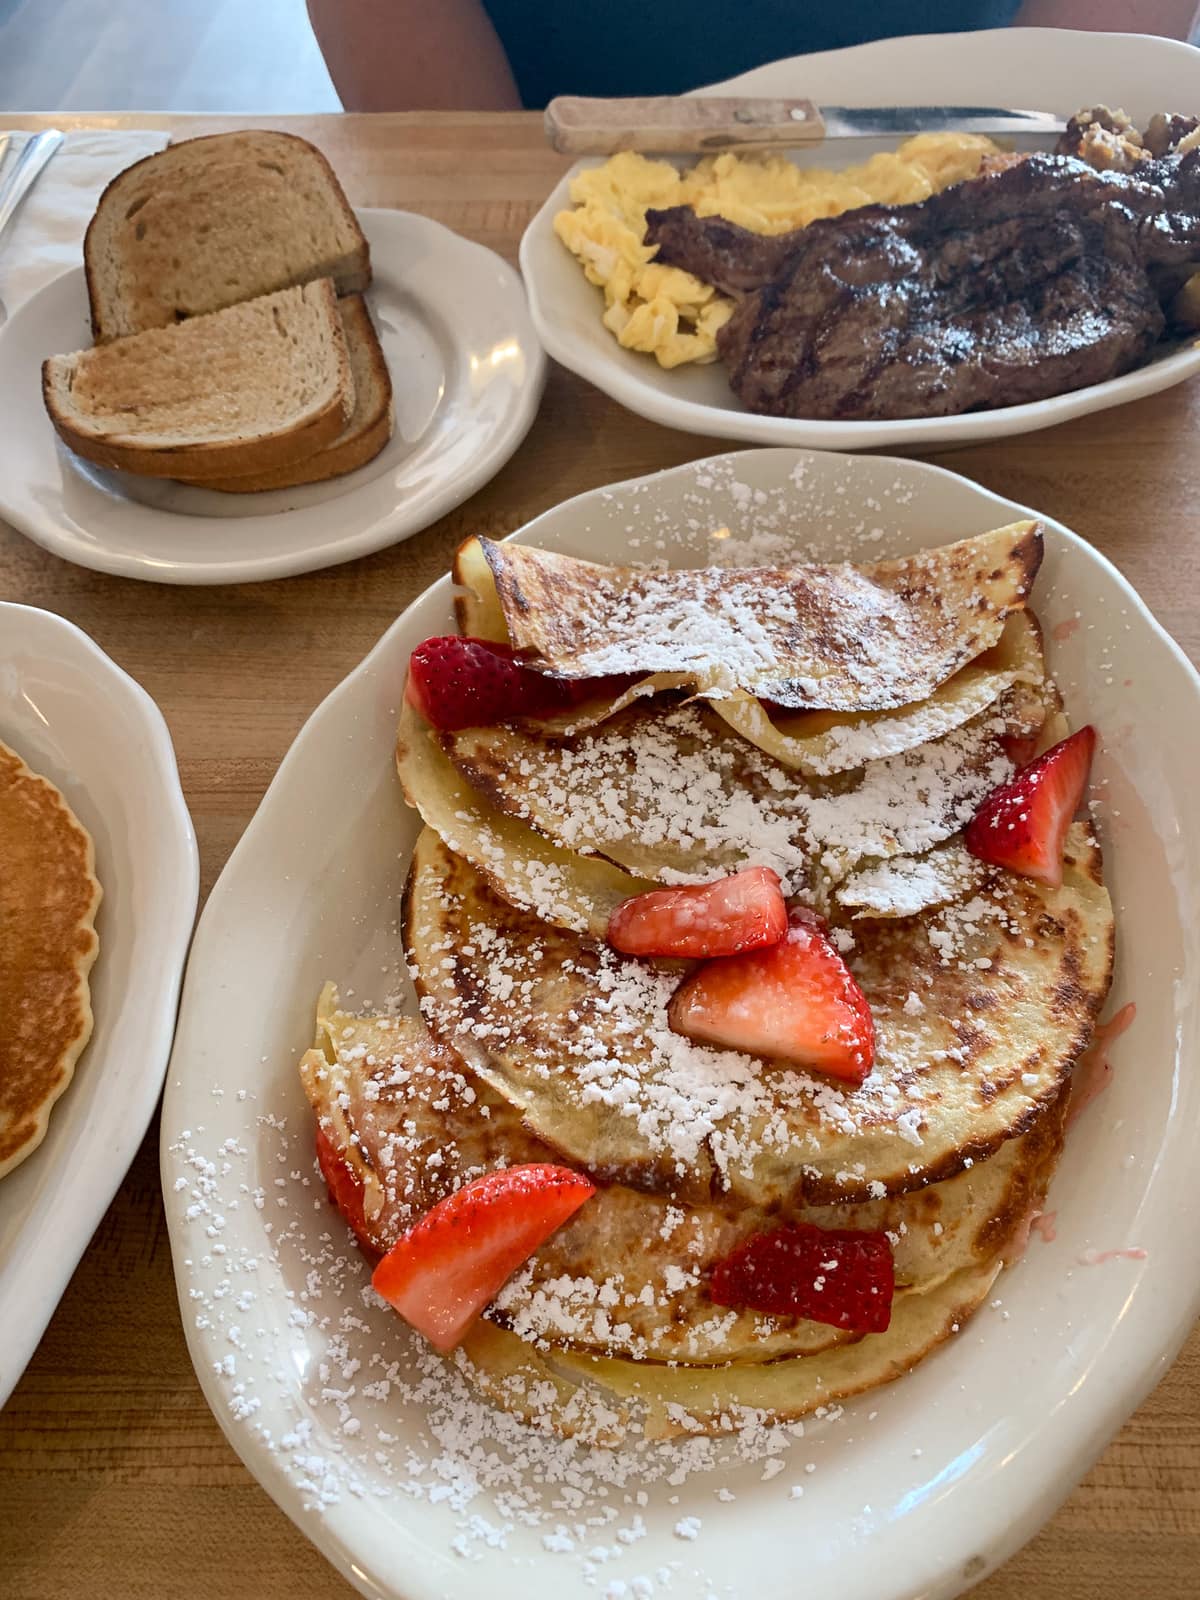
[(1027, 282)]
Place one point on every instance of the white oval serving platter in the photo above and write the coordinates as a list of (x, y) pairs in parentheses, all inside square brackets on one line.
[(1043, 68), (916, 1489)]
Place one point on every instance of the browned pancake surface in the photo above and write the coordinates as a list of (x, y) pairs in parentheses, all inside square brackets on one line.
[(840, 637), (48, 900), (980, 1010), (628, 1274)]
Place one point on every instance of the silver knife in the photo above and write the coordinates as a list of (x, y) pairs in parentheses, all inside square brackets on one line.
[(662, 124), (25, 170)]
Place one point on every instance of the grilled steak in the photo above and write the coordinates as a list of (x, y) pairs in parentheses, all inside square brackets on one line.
[(1028, 282), (722, 253)]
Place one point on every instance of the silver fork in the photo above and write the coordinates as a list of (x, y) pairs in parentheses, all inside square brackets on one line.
[(25, 170)]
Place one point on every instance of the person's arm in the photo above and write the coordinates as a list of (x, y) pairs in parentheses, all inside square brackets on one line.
[(419, 55), (1174, 19)]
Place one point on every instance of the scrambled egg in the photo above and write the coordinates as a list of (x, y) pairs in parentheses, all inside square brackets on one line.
[(669, 313)]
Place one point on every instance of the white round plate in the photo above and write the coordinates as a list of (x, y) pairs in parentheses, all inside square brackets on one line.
[(1047, 69), (467, 373), (77, 719), (919, 1488)]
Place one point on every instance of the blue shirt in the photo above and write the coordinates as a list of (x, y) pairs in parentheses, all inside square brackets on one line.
[(638, 47)]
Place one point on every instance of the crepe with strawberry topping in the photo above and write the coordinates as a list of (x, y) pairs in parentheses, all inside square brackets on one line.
[(630, 1274), (836, 637), (979, 1010)]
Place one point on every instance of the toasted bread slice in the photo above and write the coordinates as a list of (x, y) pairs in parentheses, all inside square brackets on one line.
[(208, 222), (241, 390), (365, 435)]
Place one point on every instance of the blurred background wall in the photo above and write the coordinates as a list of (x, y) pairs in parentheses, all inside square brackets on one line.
[(161, 55)]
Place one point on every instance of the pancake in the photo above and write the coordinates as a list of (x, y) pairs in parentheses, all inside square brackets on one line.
[(603, 1401), (980, 1009), (627, 1275), (675, 793), (479, 615), (663, 790), (670, 793), (819, 637), (559, 886), (48, 900), (823, 742)]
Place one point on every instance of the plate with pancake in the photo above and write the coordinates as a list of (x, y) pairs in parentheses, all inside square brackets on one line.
[(835, 336), (466, 375), (98, 892), (384, 1453)]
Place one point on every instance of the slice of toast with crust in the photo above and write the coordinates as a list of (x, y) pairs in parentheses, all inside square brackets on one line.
[(212, 221), (247, 389), (363, 437)]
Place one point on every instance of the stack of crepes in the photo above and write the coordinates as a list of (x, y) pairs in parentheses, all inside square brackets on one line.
[(838, 725)]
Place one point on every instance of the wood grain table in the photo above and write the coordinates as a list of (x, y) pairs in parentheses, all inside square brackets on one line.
[(115, 1481)]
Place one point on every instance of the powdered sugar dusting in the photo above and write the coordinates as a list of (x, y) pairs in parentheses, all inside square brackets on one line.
[(377, 1414), (907, 885), (565, 1023), (669, 788), (674, 795), (835, 636)]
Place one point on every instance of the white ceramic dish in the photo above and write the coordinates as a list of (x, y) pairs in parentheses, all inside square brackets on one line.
[(1049, 69), (79, 720), (921, 1487), (467, 371)]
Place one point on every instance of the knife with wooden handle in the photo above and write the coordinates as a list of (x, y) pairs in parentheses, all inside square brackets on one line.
[(698, 124)]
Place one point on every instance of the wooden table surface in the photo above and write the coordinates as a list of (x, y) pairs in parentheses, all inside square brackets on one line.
[(115, 1481)]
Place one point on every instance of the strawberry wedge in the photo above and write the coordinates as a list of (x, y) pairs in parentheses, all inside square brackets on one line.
[(795, 1001), (742, 912), (445, 1270), (837, 1276), (473, 683), (1023, 825), (345, 1190)]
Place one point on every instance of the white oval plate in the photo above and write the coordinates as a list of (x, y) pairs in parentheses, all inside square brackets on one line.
[(467, 372), (1048, 69), (921, 1487), (76, 718)]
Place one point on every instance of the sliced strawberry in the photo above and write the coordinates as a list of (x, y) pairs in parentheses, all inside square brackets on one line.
[(454, 1262), (345, 1190), (741, 912), (1023, 825), (470, 683), (795, 1001), (474, 683), (834, 1275)]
